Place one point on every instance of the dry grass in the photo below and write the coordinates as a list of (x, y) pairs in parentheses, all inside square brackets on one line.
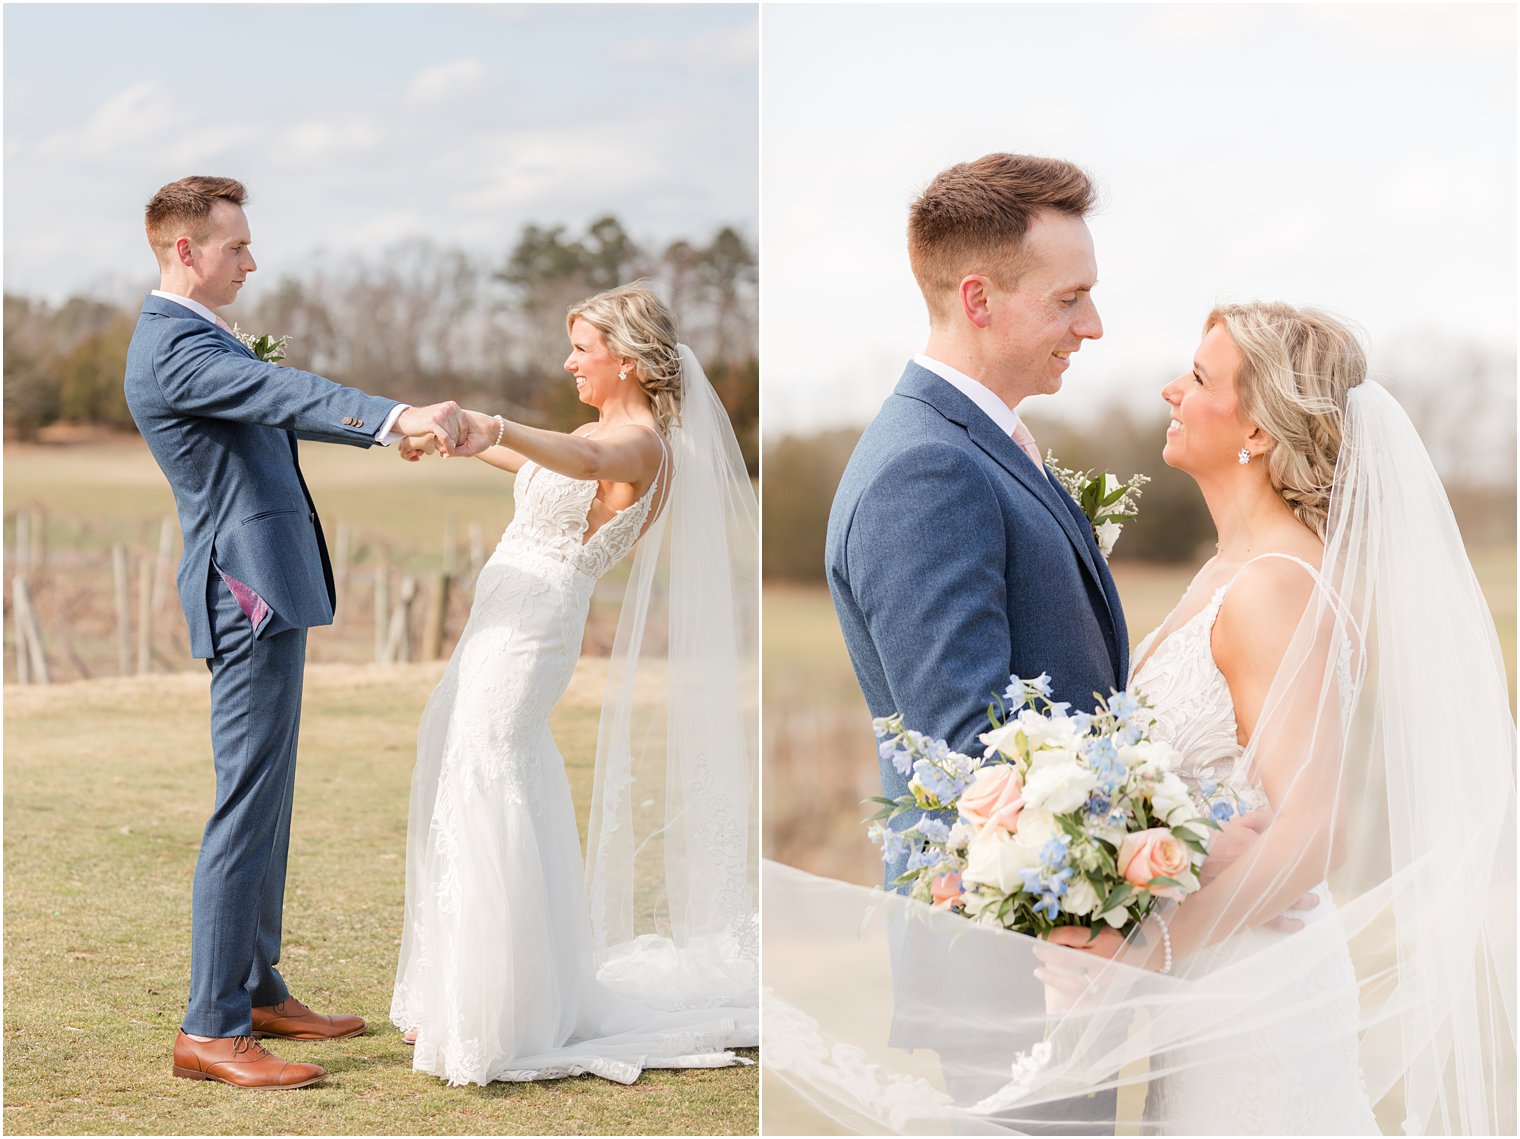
[(107, 784)]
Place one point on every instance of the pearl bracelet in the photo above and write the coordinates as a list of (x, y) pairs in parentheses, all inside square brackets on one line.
[(501, 430), (1166, 943)]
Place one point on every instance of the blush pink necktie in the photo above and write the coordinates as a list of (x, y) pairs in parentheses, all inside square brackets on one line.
[(1025, 440), (220, 323)]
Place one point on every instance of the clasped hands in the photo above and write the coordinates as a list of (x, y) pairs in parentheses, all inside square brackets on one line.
[(444, 428)]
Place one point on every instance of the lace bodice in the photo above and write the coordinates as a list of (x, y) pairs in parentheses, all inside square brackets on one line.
[(551, 519), (1191, 698)]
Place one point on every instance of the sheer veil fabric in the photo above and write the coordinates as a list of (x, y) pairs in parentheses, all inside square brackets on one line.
[(1386, 750), (672, 850)]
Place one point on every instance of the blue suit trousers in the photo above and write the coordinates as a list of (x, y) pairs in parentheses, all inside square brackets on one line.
[(239, 890)]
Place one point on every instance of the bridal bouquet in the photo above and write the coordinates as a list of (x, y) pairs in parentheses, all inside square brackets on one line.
[(1065, 820)]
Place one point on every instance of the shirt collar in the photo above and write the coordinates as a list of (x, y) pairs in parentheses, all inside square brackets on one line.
[(996, 410), (196, 307)]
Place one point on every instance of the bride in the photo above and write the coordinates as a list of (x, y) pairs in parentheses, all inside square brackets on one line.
[(511, 966), (1348, 965)]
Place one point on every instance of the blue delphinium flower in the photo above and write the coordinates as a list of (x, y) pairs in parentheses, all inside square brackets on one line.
[(1055, 851), (1014, 695), (933, 780), (893, 845), (1082, 722), (1098, 803), (1049, 905), (1223, 810), (935, 830), (1123, 706), (922, 857)]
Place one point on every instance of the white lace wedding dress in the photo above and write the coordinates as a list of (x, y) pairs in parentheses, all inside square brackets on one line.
[(497, 972), (1284, 1087)]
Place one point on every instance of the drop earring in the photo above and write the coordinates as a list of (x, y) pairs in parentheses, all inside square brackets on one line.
[(1244, 455)]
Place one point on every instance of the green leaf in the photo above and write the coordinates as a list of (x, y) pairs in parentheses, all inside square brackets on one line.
[(1159, 880)]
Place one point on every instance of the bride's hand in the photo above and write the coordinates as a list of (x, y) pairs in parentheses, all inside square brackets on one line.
[(1233, 840), (1070, 980), (413, 447)]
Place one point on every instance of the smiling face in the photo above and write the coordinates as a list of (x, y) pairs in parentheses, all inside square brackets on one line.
[(1040, 322), (219, 258), (593, 365), (1207, 429)]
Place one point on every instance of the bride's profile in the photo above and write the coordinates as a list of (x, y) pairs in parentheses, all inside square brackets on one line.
[(1347, 966), (512, 967)]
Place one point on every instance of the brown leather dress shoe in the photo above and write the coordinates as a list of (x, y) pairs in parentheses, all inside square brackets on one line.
[(291, 1020), (240, 1061)]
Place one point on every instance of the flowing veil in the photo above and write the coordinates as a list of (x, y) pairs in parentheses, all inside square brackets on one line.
[(1388, 745), (671, 853)]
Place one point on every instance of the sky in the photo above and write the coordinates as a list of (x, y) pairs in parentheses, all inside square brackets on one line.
[(1360, 157), (355, 126)]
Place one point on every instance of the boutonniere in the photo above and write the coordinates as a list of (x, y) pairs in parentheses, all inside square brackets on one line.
[(1103, 498), (265, 348)]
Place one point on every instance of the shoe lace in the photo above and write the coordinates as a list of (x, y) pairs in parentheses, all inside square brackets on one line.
[(241, 1044)]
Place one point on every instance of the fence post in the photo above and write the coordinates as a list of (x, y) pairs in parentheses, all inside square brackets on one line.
[(163, 573), (123, 610), (144, 613), (437, 614), (27, 630), (340, 574), (382, 607)]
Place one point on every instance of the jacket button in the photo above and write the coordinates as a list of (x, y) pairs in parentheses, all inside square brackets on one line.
[(358, 423), (347, 422)]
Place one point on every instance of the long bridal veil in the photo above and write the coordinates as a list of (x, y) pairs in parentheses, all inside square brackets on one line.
[(1386, 748), (671, 857)]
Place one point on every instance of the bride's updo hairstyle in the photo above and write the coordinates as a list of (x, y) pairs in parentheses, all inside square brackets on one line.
[(1298, 366), (638, 324)]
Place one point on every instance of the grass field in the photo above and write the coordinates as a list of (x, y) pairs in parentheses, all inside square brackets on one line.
[(107, 784), (820, 759)]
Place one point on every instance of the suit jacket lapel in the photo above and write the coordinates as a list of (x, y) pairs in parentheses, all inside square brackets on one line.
[(919, 383)]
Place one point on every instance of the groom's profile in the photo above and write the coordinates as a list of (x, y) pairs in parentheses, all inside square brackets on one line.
[(254, 577), (953, 556)]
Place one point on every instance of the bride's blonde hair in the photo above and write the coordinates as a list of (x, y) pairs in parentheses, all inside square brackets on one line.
[(636, 323), (1298, 365)]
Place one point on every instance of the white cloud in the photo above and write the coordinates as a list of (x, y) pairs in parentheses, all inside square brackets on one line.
[(459, 79), (714, 51)]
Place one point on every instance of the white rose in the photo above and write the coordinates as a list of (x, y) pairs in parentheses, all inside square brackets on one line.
[(1171, 802), (1004, 739), (1037, 826), (1107, 533), (1081, 898), (995, 858), (1047, 731), (1058, 788), (1149, 759)]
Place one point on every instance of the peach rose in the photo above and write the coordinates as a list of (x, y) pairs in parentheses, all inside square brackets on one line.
[(1155, 853), (946, 890), (994, 798)]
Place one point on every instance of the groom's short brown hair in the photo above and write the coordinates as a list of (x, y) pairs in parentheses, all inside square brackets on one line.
[(973, 217), (184, 203)]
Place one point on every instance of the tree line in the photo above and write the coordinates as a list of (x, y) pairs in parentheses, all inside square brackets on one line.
[(421, 322), (1468, 428)]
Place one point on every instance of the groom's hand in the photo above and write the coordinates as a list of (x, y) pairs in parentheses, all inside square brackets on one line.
[(443, 421)]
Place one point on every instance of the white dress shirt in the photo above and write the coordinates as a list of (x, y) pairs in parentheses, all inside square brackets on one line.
[(999, 412), (387, 433)]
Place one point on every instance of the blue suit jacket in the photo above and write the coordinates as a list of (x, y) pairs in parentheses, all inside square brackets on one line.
[(223, 427), (953, 561)]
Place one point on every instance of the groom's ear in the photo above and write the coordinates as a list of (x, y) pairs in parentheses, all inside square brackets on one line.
[(974, 297), (184, 250)]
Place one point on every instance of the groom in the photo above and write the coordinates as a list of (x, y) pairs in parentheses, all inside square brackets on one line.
[(954, 557), (254, 577)]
